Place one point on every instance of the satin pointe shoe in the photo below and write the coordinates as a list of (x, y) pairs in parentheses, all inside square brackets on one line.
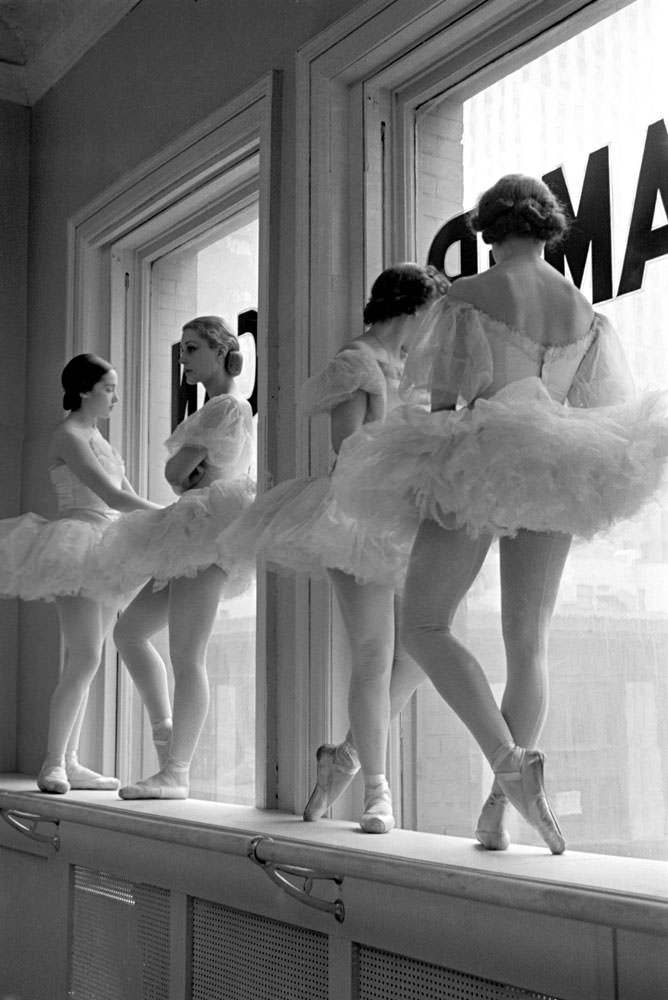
[(168, 783), (52, 778), (377, 816), (526, 791), (490, 831), (82, 778), (337, 766)]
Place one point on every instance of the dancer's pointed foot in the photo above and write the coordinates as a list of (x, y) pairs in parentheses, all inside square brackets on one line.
[(377, 816), (525, 789), (52, 778), (490, 831), (168, 783), (337, 766), (81, 777)]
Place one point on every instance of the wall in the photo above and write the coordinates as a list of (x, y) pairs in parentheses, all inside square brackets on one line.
[(14, 137), (168, 64)]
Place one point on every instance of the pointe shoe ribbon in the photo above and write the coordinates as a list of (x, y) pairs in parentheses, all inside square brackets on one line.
[(526, 791)]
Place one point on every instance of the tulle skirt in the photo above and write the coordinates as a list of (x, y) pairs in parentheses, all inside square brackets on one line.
[(42, 559), (517, 460), (178, 541), (298, 526)]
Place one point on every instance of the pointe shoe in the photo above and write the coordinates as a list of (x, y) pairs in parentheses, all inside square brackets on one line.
[(526, 792), (82, 778), (490, 831), (163, 785), (337, 767), (52, 778), (377, 816)]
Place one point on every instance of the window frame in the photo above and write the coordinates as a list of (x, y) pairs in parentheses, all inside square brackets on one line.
[(377, 66), (192, 172)]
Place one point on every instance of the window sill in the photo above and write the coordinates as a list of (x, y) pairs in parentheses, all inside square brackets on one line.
[(627, 893)]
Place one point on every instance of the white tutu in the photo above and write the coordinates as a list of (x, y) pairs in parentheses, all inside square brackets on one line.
[(177, 541), (298, 526), (42, 559), (516, 460)]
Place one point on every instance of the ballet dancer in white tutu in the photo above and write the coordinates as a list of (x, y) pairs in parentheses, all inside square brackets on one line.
[(297, 526), (535, 435), (176, 549), (54, 560)]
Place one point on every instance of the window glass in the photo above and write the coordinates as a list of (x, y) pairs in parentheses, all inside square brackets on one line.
[(590, 117), (216, 274)]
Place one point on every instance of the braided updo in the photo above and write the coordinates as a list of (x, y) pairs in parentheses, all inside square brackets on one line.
[(518, 205), (80, 375), (403, 289), (217, 333)]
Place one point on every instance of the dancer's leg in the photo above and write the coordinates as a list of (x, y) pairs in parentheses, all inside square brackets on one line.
[(441, 563), (193, 604), (145, 616), (79, 776), (337, 764), (82, 629), (368, 616), (442, 568), (532, 565)]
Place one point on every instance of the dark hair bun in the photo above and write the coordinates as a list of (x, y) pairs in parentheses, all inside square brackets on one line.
[(402, 290), (79, 376), (518, 205)]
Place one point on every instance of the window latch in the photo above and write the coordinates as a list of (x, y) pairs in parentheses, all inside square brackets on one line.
[(27, 824), (281, 876)]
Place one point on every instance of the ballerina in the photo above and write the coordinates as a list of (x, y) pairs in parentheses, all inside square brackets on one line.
[(297, 526), (550, 441), (54, 560), (176, 551)]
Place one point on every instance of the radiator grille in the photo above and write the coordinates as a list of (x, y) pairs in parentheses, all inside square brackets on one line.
[(241, 956), (382, 975), (120, 939)]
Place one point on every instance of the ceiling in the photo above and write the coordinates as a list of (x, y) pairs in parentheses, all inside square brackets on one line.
[(41, 39)]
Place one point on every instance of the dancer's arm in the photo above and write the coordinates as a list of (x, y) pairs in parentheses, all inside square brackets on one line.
[(346, 418), (76, 453), (180, 467)]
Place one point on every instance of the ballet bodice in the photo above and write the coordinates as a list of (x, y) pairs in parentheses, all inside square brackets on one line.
[(463, 350), (73, 497)]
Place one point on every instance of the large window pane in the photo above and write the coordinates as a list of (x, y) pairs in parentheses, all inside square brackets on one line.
[(589, 115), (216, 274)]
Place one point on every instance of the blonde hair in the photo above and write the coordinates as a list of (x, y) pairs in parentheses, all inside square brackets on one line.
[(217, 333)]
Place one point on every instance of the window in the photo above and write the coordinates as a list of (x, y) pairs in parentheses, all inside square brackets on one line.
[(589, 115), (186, 233)]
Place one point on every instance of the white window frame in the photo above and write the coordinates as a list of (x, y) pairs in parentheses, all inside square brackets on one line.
[(377, 64), (194, 181)]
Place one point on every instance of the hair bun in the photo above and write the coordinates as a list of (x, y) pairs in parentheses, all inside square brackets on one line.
[(234, 362)]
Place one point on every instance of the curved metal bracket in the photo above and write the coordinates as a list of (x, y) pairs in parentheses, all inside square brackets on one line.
[(27, 823), (278, 873)]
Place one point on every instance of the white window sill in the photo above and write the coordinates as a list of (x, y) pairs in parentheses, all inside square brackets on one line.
[(626, 893)]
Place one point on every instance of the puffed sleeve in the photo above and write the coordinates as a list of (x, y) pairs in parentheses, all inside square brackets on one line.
[(221, 426), (604, 376), (351, 369), (450, 354)]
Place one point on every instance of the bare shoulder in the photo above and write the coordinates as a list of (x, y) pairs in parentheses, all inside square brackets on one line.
[(465, 289)]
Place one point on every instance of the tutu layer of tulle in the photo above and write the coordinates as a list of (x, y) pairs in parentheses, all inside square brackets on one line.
[(298, 527), (516, 461), (42, 559), (177, 541)]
